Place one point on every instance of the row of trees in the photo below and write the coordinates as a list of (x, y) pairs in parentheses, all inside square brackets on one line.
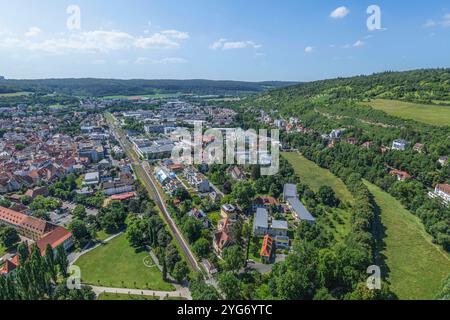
[(38, 277)]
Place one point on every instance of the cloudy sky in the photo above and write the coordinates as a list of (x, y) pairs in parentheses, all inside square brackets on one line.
[(220, 39)]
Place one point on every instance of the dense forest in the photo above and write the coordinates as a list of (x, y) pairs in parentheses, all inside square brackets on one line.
[(109, 87)]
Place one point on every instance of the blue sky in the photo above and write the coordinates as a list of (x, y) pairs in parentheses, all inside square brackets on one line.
[(251, 40)]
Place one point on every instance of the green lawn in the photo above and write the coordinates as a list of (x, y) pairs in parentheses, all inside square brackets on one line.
[(316, 177), (215, 218), (102, 235), (124, 296), (116, 264), (431, 114), (2, 250), (416, 266)]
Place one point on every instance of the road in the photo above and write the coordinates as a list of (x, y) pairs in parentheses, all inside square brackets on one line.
[(142, 170), (179, 293)]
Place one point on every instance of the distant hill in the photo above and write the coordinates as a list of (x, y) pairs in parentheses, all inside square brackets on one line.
[(106, 87), (423, 86)]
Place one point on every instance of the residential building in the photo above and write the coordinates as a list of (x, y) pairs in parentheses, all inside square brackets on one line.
[(261, 222), (27, 226), (401, 175), (442, 191), (279, 228), (295, 205), (91, 179), (228, 211), (223, 237), (443, 161), (282, 242), (400, 145), (201, 216), (267, 249), (236, 173), (418, 147)]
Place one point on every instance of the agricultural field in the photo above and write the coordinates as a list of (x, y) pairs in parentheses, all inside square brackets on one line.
[(430, 114), (116, 264), (416, 267), (316, 177)]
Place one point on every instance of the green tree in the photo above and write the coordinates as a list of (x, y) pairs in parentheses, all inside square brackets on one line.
[(234, 259), (79, 212), (202, 291), (180, 271), (243, 194), (9, 236), (202, 247), (230, 286), (327, 196), (61, 258), (81, 234)]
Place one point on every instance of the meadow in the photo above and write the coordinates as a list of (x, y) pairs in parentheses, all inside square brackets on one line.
[(416, 267), (430, 114)]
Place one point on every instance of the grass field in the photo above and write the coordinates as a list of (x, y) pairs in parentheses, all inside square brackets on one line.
[(416, 266), (124, 296), (117, 265), (431, 114), (315, 177), (15, 94)]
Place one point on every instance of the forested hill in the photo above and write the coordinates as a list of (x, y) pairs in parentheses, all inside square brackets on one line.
[(425, 86), (106, 87)]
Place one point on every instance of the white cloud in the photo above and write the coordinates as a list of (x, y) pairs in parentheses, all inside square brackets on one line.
[(175, 34), (309, 49), (230, 45), (359, 44), (172, 60), (446, 20), (33, 31), (340, 13), (97, 41), (429, 24)]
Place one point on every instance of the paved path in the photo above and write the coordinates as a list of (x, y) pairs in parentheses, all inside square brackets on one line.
[(180, 292)]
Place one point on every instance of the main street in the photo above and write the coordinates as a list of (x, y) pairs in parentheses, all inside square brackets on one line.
[(143, 171)]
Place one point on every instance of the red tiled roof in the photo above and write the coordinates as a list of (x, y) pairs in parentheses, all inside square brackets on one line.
[(404, 175), (266, 249), (124, 196), (54, 238), (267, 201), (10, 265), (444, 188), (22, 220)]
